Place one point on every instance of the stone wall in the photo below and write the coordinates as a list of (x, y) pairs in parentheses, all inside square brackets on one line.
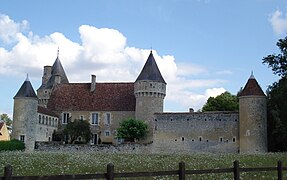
[(196, 132), (122, 148)]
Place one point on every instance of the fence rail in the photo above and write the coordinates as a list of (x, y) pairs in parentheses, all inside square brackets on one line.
[(181, 173)]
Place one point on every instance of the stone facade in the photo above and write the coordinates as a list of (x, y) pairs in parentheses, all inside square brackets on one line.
[(25, 120), (149, 100), (253, 126), (197, 132), (45, 127)]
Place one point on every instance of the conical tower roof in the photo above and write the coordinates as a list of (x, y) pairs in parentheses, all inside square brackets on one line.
[(252, 88), (150, 71), (57, 70), (26, 90)]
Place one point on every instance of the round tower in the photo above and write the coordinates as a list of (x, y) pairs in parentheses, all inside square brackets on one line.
[(252, 118), (149, 90), (25, 115)]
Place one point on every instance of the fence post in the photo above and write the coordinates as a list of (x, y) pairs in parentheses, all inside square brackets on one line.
[(279, 170), (110, 171), (236, 172), (8, 172), (181, 171)]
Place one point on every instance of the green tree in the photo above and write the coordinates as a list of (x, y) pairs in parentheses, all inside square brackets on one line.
[(277, 99), (223, 102), (278, 62), (132, 129), (6, 119), (277, 116), (76, 129)]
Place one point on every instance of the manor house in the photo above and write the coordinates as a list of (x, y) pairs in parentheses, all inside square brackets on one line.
[(105, 105)]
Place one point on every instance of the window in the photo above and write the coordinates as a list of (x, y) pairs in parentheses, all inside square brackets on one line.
[(65, 118), (39, 118), (95, 118), (108, 119), (50, 121), (43, 119), (81, 117), (22, 138), (221, 139), (200, 138), (46, 120), (107, 133)]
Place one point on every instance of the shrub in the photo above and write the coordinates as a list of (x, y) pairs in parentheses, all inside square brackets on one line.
[(11, 145)]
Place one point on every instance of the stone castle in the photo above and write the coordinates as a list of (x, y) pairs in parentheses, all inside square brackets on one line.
[(105, 105)]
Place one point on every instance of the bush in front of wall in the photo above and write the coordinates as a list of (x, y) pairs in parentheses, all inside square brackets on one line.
[(12, 145)]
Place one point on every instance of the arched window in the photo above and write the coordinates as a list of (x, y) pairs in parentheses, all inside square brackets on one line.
[(39, 118)]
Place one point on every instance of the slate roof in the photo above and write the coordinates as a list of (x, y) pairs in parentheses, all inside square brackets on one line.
[(252, 88), (26, 90), (57, 69), (106, 97), (46, 111), (150, 71)]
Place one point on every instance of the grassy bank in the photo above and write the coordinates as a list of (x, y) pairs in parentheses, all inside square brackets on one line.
[(48, 163)]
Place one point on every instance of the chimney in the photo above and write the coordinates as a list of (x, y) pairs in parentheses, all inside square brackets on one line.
[(93, 83), (46, 74), (191, 110)]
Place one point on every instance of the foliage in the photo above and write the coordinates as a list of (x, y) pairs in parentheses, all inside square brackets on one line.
[(277, 116), (58, 135), (277, 96), (78, 128), (223, 102), (6, 119), (11, 145), (77, 162), (132, 129), (278, 62)]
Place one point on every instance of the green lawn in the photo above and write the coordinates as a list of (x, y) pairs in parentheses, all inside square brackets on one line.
[(48, 163)]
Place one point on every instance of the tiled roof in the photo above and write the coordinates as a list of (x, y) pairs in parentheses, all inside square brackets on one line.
[(252, 88), (26, 90), (46, 111), (150, 71), (106, 97)]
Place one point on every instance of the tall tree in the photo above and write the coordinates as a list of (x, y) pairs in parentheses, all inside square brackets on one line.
[(278, 63), (277, 116), (277, 99), (132, 129), (78, 128), (223, 102), (6, 119)]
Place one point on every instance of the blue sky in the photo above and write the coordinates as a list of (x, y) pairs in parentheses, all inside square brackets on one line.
[(202, 47)]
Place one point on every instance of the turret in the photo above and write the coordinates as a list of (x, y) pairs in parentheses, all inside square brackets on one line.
[(252, 118), (51, 77), (25, 115), (149, 90)]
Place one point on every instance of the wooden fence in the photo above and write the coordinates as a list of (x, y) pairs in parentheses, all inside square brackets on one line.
[(181, 173)]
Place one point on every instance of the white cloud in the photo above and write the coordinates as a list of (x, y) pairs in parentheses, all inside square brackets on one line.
[(9, 29), (103, 52), (278, 22)]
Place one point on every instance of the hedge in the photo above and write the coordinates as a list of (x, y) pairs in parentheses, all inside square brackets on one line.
[(12, 145)]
